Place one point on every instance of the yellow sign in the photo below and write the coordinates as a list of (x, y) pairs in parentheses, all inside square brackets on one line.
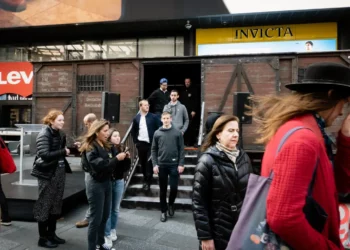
[(267, 33)]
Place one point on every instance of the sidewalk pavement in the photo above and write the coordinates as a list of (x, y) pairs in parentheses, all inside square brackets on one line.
[(137, 229)]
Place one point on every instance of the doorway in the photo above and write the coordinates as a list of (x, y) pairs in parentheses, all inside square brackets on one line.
[(16, 114), (176, 73)]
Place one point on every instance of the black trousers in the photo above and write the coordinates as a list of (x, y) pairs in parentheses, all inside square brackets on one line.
[(164, 172), (144, 151), (191, 134), (4, 208)]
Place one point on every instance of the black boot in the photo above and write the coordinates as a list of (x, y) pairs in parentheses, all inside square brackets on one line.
[(44, 242), (163, 217), (51, 234), (55, 239)]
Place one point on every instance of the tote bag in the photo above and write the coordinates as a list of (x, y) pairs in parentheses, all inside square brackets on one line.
[(7, 165), (252, 231)]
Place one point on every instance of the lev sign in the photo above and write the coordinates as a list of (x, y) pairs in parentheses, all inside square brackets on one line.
[(16, 78)]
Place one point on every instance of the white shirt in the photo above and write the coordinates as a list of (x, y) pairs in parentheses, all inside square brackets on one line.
[(143, 132)]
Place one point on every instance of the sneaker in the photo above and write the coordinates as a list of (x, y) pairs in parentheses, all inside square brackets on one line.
[(97, 247), (81, 224), (6, 222), (114, 236), (108, 241), (105, 247)]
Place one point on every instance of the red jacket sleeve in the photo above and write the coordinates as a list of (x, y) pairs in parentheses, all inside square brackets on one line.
[(293, 169), (342, 164)]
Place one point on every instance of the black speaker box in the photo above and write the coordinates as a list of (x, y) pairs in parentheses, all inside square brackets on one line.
[(239, 108), (111, 106)]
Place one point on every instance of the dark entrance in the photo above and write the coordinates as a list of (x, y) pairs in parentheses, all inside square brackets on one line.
[(175, 73), (15, 114)]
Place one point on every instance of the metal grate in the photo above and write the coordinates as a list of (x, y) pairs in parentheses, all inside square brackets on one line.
[(91, 83)]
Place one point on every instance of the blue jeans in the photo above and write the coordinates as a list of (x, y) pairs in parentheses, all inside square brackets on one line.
[(117, 195), (99, 197)]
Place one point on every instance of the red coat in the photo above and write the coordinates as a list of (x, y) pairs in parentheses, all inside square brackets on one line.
[(293, 169)]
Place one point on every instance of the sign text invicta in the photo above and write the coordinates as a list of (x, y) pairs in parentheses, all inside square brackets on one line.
[(263, 32)]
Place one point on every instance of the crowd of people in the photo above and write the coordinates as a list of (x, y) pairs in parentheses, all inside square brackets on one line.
[(223, 171)]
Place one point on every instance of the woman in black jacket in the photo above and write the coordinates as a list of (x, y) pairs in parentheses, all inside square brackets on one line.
[(50, 167), (122, 165), (98, 160), (220, 182)]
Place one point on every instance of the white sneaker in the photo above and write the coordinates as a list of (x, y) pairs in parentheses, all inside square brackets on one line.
[(114, 236), (108, 241)]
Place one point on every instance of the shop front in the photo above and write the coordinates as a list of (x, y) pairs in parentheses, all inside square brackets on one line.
[(16, 89)]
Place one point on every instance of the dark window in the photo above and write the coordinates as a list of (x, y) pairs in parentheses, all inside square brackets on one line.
[(87, 83), (301, 73)]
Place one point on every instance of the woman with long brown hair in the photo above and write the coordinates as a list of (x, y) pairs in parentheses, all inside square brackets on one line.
[(50, 167), (220, 182), (122, 165), (306, 161), (98, 160)]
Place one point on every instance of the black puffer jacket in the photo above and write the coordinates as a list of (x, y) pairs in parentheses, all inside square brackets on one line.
[(218, 193), (50, 145)]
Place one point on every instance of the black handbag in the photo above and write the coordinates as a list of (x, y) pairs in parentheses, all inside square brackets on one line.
[(44, 166), (314, 213)]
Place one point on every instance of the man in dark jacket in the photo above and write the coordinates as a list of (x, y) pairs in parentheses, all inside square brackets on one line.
[(144, 125), (159, 98), (168, 158), (189, 98)]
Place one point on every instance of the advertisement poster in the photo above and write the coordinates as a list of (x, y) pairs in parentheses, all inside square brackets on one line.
[(16, 13), (268, 47)]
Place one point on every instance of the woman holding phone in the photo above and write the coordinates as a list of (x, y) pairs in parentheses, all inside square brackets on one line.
[(121, 166)]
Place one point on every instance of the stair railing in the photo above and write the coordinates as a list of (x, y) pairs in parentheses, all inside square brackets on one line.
[(128, 142), (201, 126)]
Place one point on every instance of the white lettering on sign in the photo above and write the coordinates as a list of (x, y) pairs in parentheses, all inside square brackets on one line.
[(14, 77)]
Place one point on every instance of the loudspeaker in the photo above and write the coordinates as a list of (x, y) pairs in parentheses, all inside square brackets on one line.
[(111, 106), (239, 109)]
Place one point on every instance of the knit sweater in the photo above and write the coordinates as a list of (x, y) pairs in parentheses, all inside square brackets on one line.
[(293, 168)]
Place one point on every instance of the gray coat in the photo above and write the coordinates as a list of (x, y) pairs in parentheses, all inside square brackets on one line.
[(179, 115)]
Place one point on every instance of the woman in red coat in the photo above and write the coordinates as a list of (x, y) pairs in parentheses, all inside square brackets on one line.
[(316, 103)]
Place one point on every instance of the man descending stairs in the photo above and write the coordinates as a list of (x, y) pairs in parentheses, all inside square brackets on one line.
[(137, 197)]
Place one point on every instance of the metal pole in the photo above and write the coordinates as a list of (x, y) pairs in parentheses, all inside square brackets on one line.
[(21, 158)]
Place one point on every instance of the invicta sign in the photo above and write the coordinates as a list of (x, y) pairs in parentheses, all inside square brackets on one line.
[(264, 32)]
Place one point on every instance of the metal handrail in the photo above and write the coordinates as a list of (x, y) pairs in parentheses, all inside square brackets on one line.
[(128, 142), (201, 134)]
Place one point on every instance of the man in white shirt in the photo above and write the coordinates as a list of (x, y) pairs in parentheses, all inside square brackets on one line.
[(143, 127)]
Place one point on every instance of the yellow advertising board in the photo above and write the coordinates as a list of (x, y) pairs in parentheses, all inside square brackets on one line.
[(270, 35)]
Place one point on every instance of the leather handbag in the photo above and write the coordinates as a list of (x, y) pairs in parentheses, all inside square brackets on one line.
[(44, 166), (7, 165)]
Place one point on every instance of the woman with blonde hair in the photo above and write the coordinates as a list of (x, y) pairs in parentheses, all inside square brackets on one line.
[(306, 163), (220, 182), (98, 160), (122, 165), (50, 167)]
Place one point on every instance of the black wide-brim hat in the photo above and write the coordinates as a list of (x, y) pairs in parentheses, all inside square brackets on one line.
[(323, 77)]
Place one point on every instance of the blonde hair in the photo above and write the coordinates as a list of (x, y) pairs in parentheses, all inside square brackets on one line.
[(51, 116), (91, 117), (217, 128), (272, 111), (91, 136)]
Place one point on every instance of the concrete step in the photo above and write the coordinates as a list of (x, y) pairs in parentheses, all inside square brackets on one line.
[(137, 190), (189, 169), (185, 180), (144, 202), (191, 159)]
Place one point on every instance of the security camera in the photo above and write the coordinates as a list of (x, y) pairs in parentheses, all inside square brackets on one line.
[(188, 25)]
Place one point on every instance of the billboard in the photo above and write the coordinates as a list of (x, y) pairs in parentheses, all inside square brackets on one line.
[(267, 39), (16, 78), (15, 13)]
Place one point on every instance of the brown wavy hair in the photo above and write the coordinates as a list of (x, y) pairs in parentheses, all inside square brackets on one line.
[(91, 136), (217, 128), (51, 116), (272, 111)]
